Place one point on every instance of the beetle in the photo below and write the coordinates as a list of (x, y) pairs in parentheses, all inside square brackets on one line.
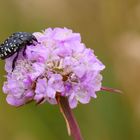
[(14, 43)]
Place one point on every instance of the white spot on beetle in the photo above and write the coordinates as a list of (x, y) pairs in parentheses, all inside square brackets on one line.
[(9, 50), (5, 53)]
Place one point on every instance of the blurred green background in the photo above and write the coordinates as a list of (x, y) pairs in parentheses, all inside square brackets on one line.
[(112, 29)]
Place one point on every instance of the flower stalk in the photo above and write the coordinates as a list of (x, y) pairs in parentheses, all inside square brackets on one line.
[(72, 125)]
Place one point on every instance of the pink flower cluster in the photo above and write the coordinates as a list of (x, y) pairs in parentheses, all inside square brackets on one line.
[(58, 64)]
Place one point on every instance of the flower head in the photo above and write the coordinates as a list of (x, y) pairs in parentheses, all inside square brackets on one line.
[(58, 64)]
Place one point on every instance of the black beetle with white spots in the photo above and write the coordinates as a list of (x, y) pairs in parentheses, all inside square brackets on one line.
[(14, 43)]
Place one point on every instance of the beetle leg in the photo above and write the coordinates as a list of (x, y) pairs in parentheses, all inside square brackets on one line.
[(14, 61), (24, 53)]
